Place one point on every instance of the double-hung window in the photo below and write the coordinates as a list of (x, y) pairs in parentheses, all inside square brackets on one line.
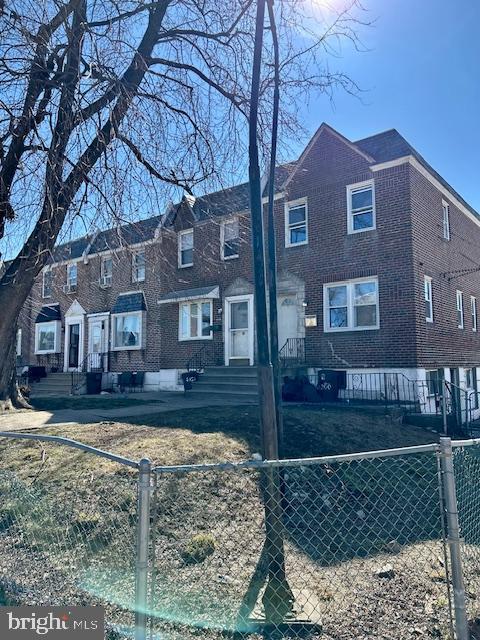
[(72, 277), (428, 299), (138, 266), (47, 337), (230, 239), (106, 271), (361, 207), (296, 223), (446, 220), (473, 311), (47, 284), (195, 320), (351, 305), (459, 309), (127, 330), (185, 248)]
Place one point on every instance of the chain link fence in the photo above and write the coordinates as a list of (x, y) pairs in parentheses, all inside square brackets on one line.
[(349, 547)]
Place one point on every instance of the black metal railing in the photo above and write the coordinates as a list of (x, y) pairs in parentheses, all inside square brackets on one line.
[(94, 363), (292, 353), (210, 354)]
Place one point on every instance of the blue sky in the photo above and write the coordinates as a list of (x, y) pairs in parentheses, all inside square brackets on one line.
[(420, 76)]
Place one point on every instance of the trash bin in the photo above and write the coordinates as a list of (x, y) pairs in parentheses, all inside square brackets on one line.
[(329, 382), (188, 378), (94, 382)]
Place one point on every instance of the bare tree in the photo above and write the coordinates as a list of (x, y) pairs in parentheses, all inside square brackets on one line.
[(107, 107)]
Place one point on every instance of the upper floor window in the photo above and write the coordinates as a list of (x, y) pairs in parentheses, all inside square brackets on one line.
[(72, 277), (127, 330), (428, 299), (195, 320), (361, 207), (296, 223), (106, 271), (185, 248), (47, 283), (351, 305), (459, 309), (446, 220), (230, 239), (473, 310), (138, 266)]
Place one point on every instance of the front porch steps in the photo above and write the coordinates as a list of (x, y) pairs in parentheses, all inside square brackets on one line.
[(55, 384), (238, 383)]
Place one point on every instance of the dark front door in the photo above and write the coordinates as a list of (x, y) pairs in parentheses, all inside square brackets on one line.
[(73, 346)]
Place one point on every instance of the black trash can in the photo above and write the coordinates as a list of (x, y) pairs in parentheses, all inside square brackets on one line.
[(329, 383), (94, 382)]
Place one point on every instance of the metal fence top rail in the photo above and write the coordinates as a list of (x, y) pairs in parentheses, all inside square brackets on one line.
[(295, 462), (74, 444)]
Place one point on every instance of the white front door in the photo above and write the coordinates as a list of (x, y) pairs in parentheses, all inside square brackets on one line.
[(239, 329), (97, 343), (287, 319)]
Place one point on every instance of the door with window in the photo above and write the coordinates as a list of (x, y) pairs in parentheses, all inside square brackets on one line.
[(239, 331), (287, 319), (97, 346), (73, 346)]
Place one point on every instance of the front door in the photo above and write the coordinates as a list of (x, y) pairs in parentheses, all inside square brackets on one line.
[(73, 346), (287, 319), (239, 331), (96, 344)]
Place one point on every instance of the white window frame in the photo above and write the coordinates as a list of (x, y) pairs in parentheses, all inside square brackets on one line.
[(106, 279), (350, 284), (135, 267), (473, 311), (446, 220), (72, 283), (138, 314), (50, 273), (428, 295), (188, 303), (301, 202), (56, 335), (222, 238), (436, 378), (180, 235), (461, 323), (351, 189)]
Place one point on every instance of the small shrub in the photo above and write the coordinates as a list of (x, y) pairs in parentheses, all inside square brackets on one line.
[(198, 548)]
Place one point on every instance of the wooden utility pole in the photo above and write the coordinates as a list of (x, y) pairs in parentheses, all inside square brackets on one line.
[(277, 599)]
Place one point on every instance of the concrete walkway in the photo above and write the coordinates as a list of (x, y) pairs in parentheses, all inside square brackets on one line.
[(162, 402)]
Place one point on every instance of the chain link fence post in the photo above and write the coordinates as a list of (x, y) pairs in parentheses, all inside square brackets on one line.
[(143, 533), (453, 532)]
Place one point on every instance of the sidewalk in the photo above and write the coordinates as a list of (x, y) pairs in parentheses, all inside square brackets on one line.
[(162, 402)]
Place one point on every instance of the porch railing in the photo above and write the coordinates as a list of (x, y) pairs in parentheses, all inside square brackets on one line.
[(209, 355), (92, 363), (292, 352)]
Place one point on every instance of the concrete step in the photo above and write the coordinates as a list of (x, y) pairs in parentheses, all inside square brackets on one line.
[(226, 385)]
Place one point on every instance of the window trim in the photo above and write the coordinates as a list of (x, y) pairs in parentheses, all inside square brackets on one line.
[(47, 271), (103, 277), (72, 286), (189, 303), (427, 280), (350, 284), (437, 379), (356, 187), (291, 205), (56, 332), (139, 314), (179, 247), (135, 278), (474, 312), (222, 238), (445, 220), (459, 308)]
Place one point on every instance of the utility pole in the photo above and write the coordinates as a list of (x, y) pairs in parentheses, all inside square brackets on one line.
[(278, 598)]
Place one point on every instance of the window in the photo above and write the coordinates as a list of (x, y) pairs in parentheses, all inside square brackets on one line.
[(47, 284), (460, 309), (138, 266), (72, 273), (296, 221), (127, 331), (434, 381), (361, 207), (106, 271), (195, 320), (352, 305), (446, 220), (47, 337), (473, 310), (19, 343), (428, 299), (185, 248), (230, 239)]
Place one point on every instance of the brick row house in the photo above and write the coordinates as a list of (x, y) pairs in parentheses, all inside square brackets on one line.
[(378, 271)]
